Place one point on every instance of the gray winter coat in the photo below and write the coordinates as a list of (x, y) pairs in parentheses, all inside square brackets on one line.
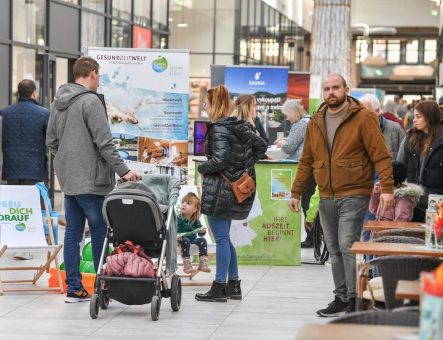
[(393, 134), (80, 138)]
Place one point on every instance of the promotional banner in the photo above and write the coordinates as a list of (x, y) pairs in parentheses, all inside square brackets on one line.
[(21, 223), (271, 234), (269, 85), (298, 88), (147, 100)]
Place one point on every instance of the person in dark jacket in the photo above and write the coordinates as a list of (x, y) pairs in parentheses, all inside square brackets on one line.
[(24, 133), (24, 149), (422, 151), (231, 148)]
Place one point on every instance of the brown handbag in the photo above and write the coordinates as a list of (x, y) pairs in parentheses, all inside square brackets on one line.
[(242, 188)]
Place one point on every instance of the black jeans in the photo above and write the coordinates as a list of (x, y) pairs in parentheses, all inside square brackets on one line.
[(185, 243)]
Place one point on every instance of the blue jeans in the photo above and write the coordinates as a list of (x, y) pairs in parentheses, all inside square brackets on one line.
[(226, 255), (342, 223), (77, 209)]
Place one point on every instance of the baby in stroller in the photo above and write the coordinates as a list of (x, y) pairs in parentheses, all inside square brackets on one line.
[(144, 215)]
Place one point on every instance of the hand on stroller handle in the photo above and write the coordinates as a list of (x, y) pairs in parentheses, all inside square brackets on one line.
[(131, 176)]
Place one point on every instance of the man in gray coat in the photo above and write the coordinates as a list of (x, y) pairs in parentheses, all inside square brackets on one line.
[(392, 132), (85, 161)]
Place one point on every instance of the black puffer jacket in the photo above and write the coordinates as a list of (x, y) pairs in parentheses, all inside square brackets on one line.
[(431, 178), (229, 142)]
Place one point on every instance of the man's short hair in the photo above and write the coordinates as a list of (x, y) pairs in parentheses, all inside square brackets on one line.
[(440, 101), (343, 80), (83, 67), (25, 88), (372, 100), (390, 106)]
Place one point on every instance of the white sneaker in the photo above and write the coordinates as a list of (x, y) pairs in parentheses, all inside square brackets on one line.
[(23, 256)]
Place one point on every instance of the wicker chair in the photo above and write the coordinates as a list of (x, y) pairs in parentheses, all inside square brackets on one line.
[(394, 268), (399, 239), (362, 279), (409, 232), (382, 317)]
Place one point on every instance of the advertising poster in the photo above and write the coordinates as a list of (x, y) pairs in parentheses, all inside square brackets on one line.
[(21, 223), (271, 234), (147, 101), (281, 184), (298, 88), (315, 94), (358, 93), (269, 85), (141, 37)]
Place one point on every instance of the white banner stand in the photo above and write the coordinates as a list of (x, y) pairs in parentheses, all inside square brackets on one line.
[(21, 229)]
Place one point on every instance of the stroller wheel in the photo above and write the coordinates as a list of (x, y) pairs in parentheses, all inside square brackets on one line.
[(103, 299), (176, 293), (155, 307), (93, 306)]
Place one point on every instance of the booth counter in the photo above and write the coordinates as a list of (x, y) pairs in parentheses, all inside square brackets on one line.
[(271, 234)]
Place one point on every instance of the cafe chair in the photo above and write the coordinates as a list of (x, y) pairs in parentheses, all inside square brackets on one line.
[(408, 232), (398, 239), (381, 317), (395, 268)]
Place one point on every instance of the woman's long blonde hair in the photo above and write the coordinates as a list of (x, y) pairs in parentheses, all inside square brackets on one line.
[(242, 108), (220, 102)]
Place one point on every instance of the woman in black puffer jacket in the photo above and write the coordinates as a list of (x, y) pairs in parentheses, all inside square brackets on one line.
[(231, 147), (422, 152)]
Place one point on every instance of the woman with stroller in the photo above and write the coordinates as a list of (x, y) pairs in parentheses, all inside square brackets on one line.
[(422, 152), (232, 148)]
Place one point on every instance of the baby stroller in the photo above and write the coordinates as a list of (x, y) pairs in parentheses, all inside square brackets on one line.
[(132, 212)]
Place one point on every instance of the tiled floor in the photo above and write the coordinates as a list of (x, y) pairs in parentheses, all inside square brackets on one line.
[(277, 301)]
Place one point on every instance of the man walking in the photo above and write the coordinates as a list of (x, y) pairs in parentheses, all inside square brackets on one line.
[(85, 160), (24, 149), (343, 144)]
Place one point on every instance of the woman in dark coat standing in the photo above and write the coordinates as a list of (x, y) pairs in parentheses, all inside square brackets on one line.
[(422, 152), (231, 147)]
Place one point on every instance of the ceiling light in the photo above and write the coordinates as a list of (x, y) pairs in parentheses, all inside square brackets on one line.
[(182, 25)]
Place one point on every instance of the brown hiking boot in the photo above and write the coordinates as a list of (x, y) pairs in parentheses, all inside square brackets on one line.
[(187, 266), (203, 264)]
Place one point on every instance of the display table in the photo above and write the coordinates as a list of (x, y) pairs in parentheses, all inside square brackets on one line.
[(271, 235)]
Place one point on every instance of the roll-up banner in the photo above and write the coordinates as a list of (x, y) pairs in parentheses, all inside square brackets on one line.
[(269, 85), (146, 92)]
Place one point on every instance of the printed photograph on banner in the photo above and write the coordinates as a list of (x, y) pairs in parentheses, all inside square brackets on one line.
[(281, 183), (127, 146), (269, 86), (160, 156)]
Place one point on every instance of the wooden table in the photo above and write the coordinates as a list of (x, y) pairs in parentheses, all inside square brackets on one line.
[(408, 290), (381, 248), (386, 225), (352, 332)]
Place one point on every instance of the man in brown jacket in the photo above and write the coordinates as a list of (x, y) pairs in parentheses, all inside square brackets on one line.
[(343, 144)]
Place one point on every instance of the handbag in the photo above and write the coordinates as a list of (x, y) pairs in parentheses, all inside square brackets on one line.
[(129, 260), (242, 188)]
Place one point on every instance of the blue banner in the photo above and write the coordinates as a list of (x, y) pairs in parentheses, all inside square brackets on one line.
[(269, 85)]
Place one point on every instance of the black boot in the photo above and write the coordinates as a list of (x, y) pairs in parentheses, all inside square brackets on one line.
[(308, 243), (217, 293), (233, 290)]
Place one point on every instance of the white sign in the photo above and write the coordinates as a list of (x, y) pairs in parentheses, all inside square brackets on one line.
[(21, 223)]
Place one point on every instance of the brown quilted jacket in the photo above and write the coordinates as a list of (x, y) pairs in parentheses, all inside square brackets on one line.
[(358, 149)]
